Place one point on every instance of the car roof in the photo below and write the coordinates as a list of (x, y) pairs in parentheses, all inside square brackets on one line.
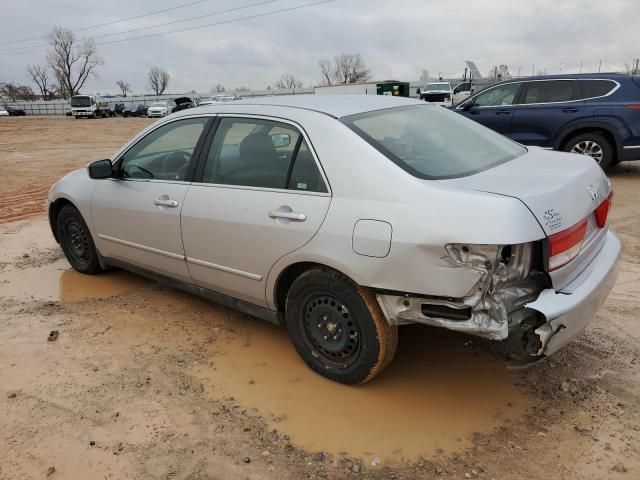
[(336, 106), (570, 76)]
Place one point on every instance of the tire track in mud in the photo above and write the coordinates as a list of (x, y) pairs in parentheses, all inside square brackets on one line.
[(23, 204)]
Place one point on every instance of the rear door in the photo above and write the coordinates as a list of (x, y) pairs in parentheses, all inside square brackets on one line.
[(547, 108), (259, 194), (494, 107)]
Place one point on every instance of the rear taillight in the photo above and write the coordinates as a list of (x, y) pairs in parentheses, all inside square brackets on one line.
[(634, 106), (602, 211), (565, 246)]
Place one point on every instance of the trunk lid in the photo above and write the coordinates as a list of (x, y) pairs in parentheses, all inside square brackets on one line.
[(560, 189)]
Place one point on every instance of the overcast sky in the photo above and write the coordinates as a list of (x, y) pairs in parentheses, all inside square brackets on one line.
[(397, 38)]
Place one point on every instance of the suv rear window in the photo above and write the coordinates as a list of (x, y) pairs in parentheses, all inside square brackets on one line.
[(550, 91), (432, 142), (596, 88)]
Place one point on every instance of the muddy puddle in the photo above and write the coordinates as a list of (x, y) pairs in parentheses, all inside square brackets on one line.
[(436, 393), (58, 281)]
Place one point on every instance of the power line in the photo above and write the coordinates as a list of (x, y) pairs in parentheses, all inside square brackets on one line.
[(233, 20), (114, 21), (219, 12)]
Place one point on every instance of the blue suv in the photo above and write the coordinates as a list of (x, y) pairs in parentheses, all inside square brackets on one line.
[(593, 114)]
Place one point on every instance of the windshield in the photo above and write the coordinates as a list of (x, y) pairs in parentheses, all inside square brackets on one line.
[(433, 143), (80, 101), (158, 104), (441, 87)]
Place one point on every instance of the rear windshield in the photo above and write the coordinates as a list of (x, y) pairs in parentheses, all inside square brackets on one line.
[(433, 142)]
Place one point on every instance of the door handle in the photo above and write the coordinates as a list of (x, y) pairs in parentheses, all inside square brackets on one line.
[(295, 216), (570, 110), (166, 203), (503, 112)]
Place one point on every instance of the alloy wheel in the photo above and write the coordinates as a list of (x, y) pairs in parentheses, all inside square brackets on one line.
[(589, 147)]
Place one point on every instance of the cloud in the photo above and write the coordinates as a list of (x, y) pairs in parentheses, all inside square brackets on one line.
[(397, 39)]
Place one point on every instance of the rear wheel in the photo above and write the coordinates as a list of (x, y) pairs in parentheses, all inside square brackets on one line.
[(338, 328), (594, 145), (76, 242)]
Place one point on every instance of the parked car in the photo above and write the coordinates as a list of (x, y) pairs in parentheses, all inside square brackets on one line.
[(253, 204), (182, 103), (14, 111), (139, 110), (161, 109), (592, 114), (118, 108), (3, 112), (439, 93), (462, 91)]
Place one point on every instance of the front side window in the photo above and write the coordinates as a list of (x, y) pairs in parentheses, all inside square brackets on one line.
[(551, 91), (165, 153), (433, 143), (499, 96), (261, 153), (596, 88)]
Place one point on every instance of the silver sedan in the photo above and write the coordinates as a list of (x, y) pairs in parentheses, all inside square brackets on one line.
[(343, 217)]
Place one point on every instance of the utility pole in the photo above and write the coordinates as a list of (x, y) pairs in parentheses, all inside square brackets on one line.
[(600, 66), (580, 66)]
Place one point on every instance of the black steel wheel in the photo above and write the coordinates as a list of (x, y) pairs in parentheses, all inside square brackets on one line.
[(76, 242), (338, 328)]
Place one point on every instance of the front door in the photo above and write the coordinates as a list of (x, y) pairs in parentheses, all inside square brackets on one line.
[(494, 107), (137, 215), (259, 196)]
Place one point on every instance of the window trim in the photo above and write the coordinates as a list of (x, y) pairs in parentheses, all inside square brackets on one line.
[(197, 151), (615, 89), (199, 172)]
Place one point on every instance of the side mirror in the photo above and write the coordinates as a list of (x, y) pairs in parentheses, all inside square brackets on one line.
[(469, 106), (281, 140), (101, 169)]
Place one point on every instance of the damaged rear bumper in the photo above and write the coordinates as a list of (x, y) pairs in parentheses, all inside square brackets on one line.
[(570, 310)]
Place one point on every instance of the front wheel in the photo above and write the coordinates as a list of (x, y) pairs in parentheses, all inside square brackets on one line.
[(594, 145), (338, 328), (76, 242)]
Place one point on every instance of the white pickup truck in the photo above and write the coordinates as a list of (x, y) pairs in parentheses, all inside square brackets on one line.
[(444, 94), (90, 106)]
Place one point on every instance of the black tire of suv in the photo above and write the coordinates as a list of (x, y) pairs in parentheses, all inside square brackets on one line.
[(605, 145), (355, 312), (76, 242)]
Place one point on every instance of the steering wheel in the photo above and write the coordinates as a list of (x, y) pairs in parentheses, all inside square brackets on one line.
[(176, 164)]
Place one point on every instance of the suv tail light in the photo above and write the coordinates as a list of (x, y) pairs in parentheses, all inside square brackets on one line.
[(634, 106), (602, 211), (565, 246)]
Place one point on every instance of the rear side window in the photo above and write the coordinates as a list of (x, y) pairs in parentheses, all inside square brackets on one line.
[(433, 143), (550, 91), (596, 88), (261, 153)]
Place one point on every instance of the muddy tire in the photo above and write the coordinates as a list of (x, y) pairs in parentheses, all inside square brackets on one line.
[(594, 145), (338, 328), (76, 242)]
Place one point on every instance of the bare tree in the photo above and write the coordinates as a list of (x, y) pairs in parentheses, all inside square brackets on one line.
[(124, 87), (72, 60), (288, 80), (633, 68), (326, 71), (424, 77), (40, 75), (158, 80), (13, 91), (218, 88), (345, 68)]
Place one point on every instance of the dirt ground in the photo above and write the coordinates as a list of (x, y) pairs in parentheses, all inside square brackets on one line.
[(145, 382)]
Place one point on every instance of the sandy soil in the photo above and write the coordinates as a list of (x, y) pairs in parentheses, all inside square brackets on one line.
[(146, 382)]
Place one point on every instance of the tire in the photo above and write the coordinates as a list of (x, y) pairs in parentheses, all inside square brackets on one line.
[(594, 145), (338, 328), (76, 242)]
